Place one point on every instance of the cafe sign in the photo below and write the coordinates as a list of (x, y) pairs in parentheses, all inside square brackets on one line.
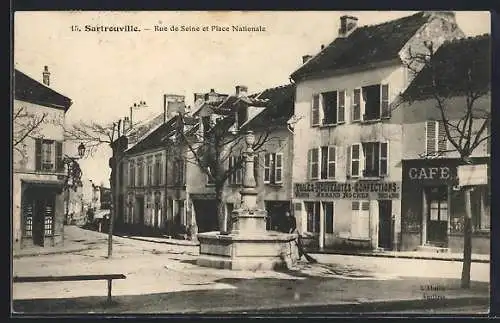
[(361, 190)]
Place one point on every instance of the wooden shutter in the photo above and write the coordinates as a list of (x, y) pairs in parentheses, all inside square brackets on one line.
[(355, 160), (267, 168), (442, 141), (356, 105), (384, 159), (384, 101), (332, 157), (430, 137), (341, 107), (28, 218), (314, 163), (49, 218), (59, 162), (315, 111), (38, 154), (278, 168)]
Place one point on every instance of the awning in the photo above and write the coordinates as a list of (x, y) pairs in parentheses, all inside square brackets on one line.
[(100, 214)]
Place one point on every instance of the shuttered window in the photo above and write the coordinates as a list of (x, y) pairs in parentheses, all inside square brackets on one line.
[(313, 163), (436, 141), (355, 160)]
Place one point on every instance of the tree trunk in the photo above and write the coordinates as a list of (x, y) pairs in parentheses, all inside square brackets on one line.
[(465, 283), (221, 214)]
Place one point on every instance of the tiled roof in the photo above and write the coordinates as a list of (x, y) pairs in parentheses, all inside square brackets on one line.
[(156, 138), (365, 45), (451, 64), (30, 90), (280, 107)]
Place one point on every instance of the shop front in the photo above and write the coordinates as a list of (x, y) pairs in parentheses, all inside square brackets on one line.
[(348, 215), (433, 207)]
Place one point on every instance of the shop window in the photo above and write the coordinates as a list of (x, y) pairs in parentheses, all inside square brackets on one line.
[(480, 203), (360, 219), (312, 210), (328, 209)]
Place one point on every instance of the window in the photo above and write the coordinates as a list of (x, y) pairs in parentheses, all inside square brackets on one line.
[(360, 224), (328, 210), (49, 219), (48, 155), (376, 102), (131, 173), (148, 200), (179, 171), (315, 110), (150, 170), (140, 172), (369, 159), (158, 171), (313, 163), (235, 163), (481, 210), (329, 100), (312, 210), (328, 159), (435, 138), (28, 219), (273, 168)]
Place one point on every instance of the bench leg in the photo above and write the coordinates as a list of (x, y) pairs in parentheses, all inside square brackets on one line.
[(109, 289)]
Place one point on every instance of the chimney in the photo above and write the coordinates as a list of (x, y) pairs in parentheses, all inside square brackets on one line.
[(126, 124), (212, 96), (241, 90), (46, 75), (347, 25), (305, 58)]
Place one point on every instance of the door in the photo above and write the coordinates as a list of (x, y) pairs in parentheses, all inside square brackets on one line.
[(276, 215), (140, 209), (385, 225), (437, 216), (206, 215)]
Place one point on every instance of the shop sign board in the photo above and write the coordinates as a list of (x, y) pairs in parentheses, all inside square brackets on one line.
[(355, 190), (469, 175)]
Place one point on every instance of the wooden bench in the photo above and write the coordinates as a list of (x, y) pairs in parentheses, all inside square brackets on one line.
[(39, 279)]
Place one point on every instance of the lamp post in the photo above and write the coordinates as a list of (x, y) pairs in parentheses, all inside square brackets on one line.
[(73, 174)]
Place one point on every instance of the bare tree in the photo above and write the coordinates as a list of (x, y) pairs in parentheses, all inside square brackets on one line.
[(456, 72), (212, 150), (25, 125), (94, 135)]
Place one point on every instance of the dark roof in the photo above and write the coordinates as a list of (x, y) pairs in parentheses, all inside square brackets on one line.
[(451, 64), (280, 107), (30, 90), (365, 45)]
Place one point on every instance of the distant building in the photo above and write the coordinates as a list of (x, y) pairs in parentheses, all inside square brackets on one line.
[(38, 202)]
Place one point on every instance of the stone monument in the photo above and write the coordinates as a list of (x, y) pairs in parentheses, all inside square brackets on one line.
[(247, 245)]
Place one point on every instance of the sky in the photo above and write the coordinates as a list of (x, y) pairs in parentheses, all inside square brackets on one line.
[(104, 73)]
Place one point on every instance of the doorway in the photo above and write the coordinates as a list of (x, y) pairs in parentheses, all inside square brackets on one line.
[(385, 224), (139, 201), (437, 216), (276, 214), (38, 215), (206, 215)]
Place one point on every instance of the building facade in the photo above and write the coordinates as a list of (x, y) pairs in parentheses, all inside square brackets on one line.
[(38, 171), (348, 140), (433, 207)]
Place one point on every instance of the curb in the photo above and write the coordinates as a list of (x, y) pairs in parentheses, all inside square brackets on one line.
[(164, 242), (48, 252), (376, 306), (319, 252)]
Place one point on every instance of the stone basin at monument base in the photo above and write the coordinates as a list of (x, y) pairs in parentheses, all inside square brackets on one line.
[(260, 251)]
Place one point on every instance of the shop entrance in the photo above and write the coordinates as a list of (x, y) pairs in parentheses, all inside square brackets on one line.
[(38, 215), (276, 214), (437, 216), (385, 224)]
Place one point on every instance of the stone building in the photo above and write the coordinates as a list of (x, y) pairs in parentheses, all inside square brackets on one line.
[(348, 140), (38, 171)]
